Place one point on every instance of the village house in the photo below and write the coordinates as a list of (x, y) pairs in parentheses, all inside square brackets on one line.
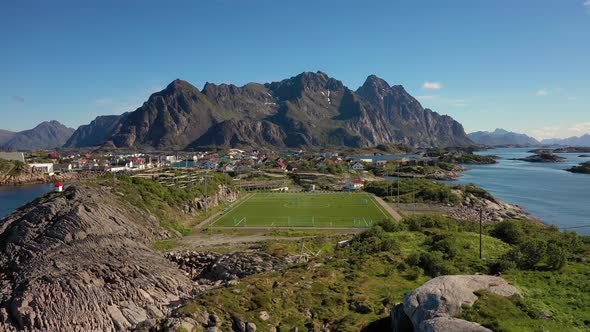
[(354, 184), (380, 163), (45, 168), (357, 166)]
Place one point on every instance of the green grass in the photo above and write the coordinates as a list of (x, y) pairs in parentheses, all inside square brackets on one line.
[(353, 288), (285, 232), (564, 295), (303, 210), (504, 314), (164, 245)]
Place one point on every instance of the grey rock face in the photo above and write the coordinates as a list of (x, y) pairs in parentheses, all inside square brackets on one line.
[(80, 261), (432, 306), (95, 133), (310, 109)]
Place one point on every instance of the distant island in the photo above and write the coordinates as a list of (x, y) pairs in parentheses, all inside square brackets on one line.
[(581, 168), (543, 157)]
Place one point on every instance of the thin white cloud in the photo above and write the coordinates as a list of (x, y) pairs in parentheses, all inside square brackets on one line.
[(583, 127), (587, 3), (459, 104), (433, 85), (564, 131), (544, 91)]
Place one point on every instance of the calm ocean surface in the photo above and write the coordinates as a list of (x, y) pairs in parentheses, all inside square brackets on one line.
[(543, 189), (14, 197)]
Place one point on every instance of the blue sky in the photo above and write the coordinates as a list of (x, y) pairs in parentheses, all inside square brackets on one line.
[(519, 65)]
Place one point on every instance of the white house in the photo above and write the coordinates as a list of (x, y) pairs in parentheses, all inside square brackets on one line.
[(354, 184), (357, 166), (45, 168)]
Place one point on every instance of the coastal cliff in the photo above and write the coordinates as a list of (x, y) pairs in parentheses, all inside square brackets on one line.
[(91, 251)]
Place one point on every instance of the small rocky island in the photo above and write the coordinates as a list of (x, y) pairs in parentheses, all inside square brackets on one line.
[(543, 157), (581, 168)]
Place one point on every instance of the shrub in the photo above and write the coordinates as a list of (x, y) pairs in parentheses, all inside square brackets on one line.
[(447, 246), (391, 226), (556, 256), (509, 231), (528, 254), (501, 265), (372, 241), (418, 222), (434, 264)]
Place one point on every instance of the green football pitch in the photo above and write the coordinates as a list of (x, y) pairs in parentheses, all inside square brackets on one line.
[(303, 210)]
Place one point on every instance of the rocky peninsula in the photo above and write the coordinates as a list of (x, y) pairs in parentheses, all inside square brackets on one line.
[(84, 254)]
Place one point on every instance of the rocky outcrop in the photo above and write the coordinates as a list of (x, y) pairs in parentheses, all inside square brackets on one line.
[(29, 177), (494, 209), (210, 270), (80, 261), (310, 109), (433, 306), (224, 194)]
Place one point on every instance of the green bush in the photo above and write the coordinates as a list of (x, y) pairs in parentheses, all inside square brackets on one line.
[(391, 226), (372, 241), (556, 256), (509, 231), (528, 254), (434, 264), (418, 222)]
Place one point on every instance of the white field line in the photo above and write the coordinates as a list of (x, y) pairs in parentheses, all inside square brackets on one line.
[(379, 207), (232, 209)]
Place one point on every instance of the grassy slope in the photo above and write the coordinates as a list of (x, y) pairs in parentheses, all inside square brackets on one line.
[(165, 203), (331, 289)]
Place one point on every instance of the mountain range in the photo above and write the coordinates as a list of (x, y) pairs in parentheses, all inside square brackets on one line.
[(583, 140), (502, 137), (310, 109), (307, 110), (46, 135)]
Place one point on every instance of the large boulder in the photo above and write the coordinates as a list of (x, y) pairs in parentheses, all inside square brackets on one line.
[(433, 306)]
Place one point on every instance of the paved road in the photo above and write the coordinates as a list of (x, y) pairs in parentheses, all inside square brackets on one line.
[(388, 208)]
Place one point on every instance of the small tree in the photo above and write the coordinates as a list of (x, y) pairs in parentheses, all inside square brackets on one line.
[(556, 256)]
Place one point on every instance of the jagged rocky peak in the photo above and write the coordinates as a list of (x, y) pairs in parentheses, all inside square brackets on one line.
[(374, 89), (176, 88), (296, 86), (180, 84)]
